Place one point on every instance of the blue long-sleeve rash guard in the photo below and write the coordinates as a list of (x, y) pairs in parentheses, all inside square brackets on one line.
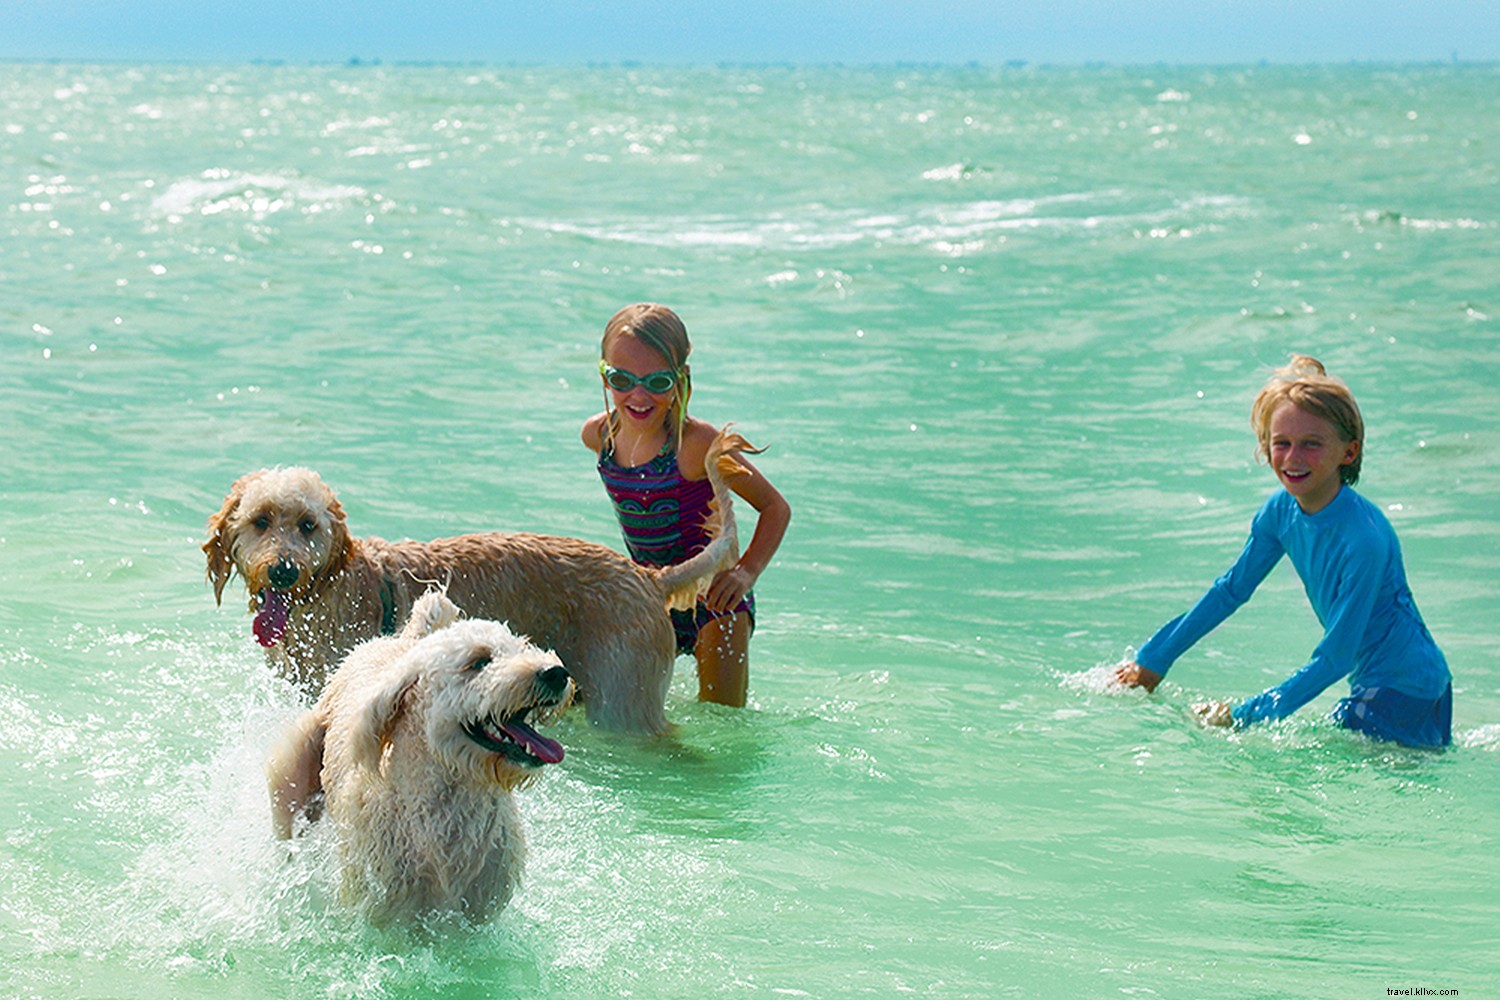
[(1349, 560)]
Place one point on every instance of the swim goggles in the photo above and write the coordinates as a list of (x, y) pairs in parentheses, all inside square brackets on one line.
[(656, 383)]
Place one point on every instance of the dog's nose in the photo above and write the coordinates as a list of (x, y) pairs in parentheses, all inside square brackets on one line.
[(554, 679), (282, 575)]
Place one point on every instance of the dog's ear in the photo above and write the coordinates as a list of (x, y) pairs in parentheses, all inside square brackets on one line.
[(375, 721), (432, 612), (343, 548), (219, 546)]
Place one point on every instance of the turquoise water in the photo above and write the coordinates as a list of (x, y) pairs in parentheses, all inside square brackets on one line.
[(999, 328)]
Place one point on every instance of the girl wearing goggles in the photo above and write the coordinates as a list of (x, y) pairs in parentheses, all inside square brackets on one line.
[(650, 458)]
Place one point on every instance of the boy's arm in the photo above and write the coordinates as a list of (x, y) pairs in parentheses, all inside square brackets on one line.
[(1333, 659)]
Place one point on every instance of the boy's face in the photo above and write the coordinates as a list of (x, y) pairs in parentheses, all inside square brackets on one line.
[(1306, 454)]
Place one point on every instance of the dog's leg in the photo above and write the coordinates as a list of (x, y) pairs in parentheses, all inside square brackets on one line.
[(294, 774), (624, 690)]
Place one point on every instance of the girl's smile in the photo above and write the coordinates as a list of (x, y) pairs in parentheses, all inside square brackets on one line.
[(1306, 454), (639, 407)]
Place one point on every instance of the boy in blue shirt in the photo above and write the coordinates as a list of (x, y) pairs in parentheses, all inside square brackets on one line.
[(1311, 432)]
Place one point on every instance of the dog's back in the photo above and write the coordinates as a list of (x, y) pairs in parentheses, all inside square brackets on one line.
[(318, 591), (602, 614)]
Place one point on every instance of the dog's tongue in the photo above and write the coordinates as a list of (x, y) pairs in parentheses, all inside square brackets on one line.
[(270, 621), (545, 750)]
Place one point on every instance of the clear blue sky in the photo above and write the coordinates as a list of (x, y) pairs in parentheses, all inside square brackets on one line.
[(706, 31)]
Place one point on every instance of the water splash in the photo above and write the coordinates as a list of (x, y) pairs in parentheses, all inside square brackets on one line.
[(1100, 679), (254, 195)]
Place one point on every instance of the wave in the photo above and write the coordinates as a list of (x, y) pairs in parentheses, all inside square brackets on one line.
[(968, 225), (218, 191)]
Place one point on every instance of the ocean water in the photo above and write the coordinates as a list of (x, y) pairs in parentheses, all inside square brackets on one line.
[(999, 329)]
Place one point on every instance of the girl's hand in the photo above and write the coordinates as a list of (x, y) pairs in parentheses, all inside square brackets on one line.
[(1131, 674), (729, 588), (1214, 713)]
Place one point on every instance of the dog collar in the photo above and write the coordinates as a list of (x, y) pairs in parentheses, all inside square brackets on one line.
[(387, 607)]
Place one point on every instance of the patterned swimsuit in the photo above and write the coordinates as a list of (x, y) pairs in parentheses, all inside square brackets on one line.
[(661, 516)]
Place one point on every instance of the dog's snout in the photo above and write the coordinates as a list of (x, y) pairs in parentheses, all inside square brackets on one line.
[(554, 679), (282, 575)]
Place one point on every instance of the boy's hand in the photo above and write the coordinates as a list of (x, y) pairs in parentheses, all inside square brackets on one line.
[(1132, 674), (1214, 713)]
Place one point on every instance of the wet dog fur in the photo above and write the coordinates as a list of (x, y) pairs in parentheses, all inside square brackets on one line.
[(415, 750), (318, 590)]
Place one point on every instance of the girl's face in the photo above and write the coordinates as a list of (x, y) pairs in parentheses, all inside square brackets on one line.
[(1306, 454), (639, 407)]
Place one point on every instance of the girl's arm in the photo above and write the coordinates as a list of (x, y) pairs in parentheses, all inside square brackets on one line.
[(593, 432), (773, 514)]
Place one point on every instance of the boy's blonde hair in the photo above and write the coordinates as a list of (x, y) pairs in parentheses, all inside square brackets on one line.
[(1306, 384), (662, 330)]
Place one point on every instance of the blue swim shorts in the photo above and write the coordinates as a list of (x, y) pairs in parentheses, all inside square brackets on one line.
[(1387, 714)]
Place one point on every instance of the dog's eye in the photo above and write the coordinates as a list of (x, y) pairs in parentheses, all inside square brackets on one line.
[(478, 663), (308, 526), (261, 523)]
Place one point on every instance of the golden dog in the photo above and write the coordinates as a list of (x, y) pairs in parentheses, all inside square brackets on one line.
[(317, 590)]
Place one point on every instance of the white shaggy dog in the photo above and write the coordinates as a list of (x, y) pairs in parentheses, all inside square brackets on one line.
[(317, 590), (417, 744)]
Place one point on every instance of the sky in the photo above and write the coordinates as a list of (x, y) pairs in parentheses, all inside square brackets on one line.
[(990, 32)]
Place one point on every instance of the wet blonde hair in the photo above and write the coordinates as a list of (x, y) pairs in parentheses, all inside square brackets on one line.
[(662, 330), (1306, 384)]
